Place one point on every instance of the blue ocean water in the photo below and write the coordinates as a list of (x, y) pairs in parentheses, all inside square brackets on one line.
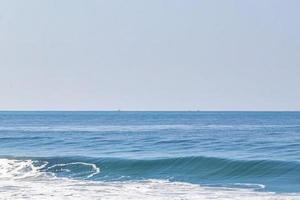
[(258, 150)]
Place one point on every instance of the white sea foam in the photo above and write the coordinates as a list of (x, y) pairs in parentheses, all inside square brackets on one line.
[(22, 179), (95, 169), (250, 185), (19, 169)]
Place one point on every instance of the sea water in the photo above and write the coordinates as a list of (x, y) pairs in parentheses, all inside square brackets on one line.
[(149, 155)]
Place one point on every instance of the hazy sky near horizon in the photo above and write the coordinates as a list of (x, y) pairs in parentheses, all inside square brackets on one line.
[(149, 55)]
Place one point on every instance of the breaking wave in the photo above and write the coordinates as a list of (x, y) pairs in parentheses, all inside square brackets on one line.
[(35, 179)]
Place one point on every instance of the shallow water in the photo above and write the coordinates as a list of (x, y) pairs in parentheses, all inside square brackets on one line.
[(166, 155)]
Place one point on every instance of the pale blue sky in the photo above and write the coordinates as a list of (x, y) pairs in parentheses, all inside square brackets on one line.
[(149, 55)]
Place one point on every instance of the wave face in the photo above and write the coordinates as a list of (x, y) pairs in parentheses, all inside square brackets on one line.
[(255, 152)]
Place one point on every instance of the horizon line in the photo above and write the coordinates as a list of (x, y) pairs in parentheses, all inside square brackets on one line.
[(120, 110)]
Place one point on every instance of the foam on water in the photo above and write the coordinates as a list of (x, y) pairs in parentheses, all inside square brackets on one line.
[(19, 169), (94, 168), (25, 179)]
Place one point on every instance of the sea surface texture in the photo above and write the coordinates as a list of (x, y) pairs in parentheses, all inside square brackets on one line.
[(149, 155)]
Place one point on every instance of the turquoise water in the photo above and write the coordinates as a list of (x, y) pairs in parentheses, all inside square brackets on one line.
[(257, 150)]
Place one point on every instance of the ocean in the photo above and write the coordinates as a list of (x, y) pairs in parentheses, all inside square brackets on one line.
[(149, 155)]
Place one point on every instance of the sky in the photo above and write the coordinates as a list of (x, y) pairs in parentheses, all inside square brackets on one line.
[(149, 55)]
